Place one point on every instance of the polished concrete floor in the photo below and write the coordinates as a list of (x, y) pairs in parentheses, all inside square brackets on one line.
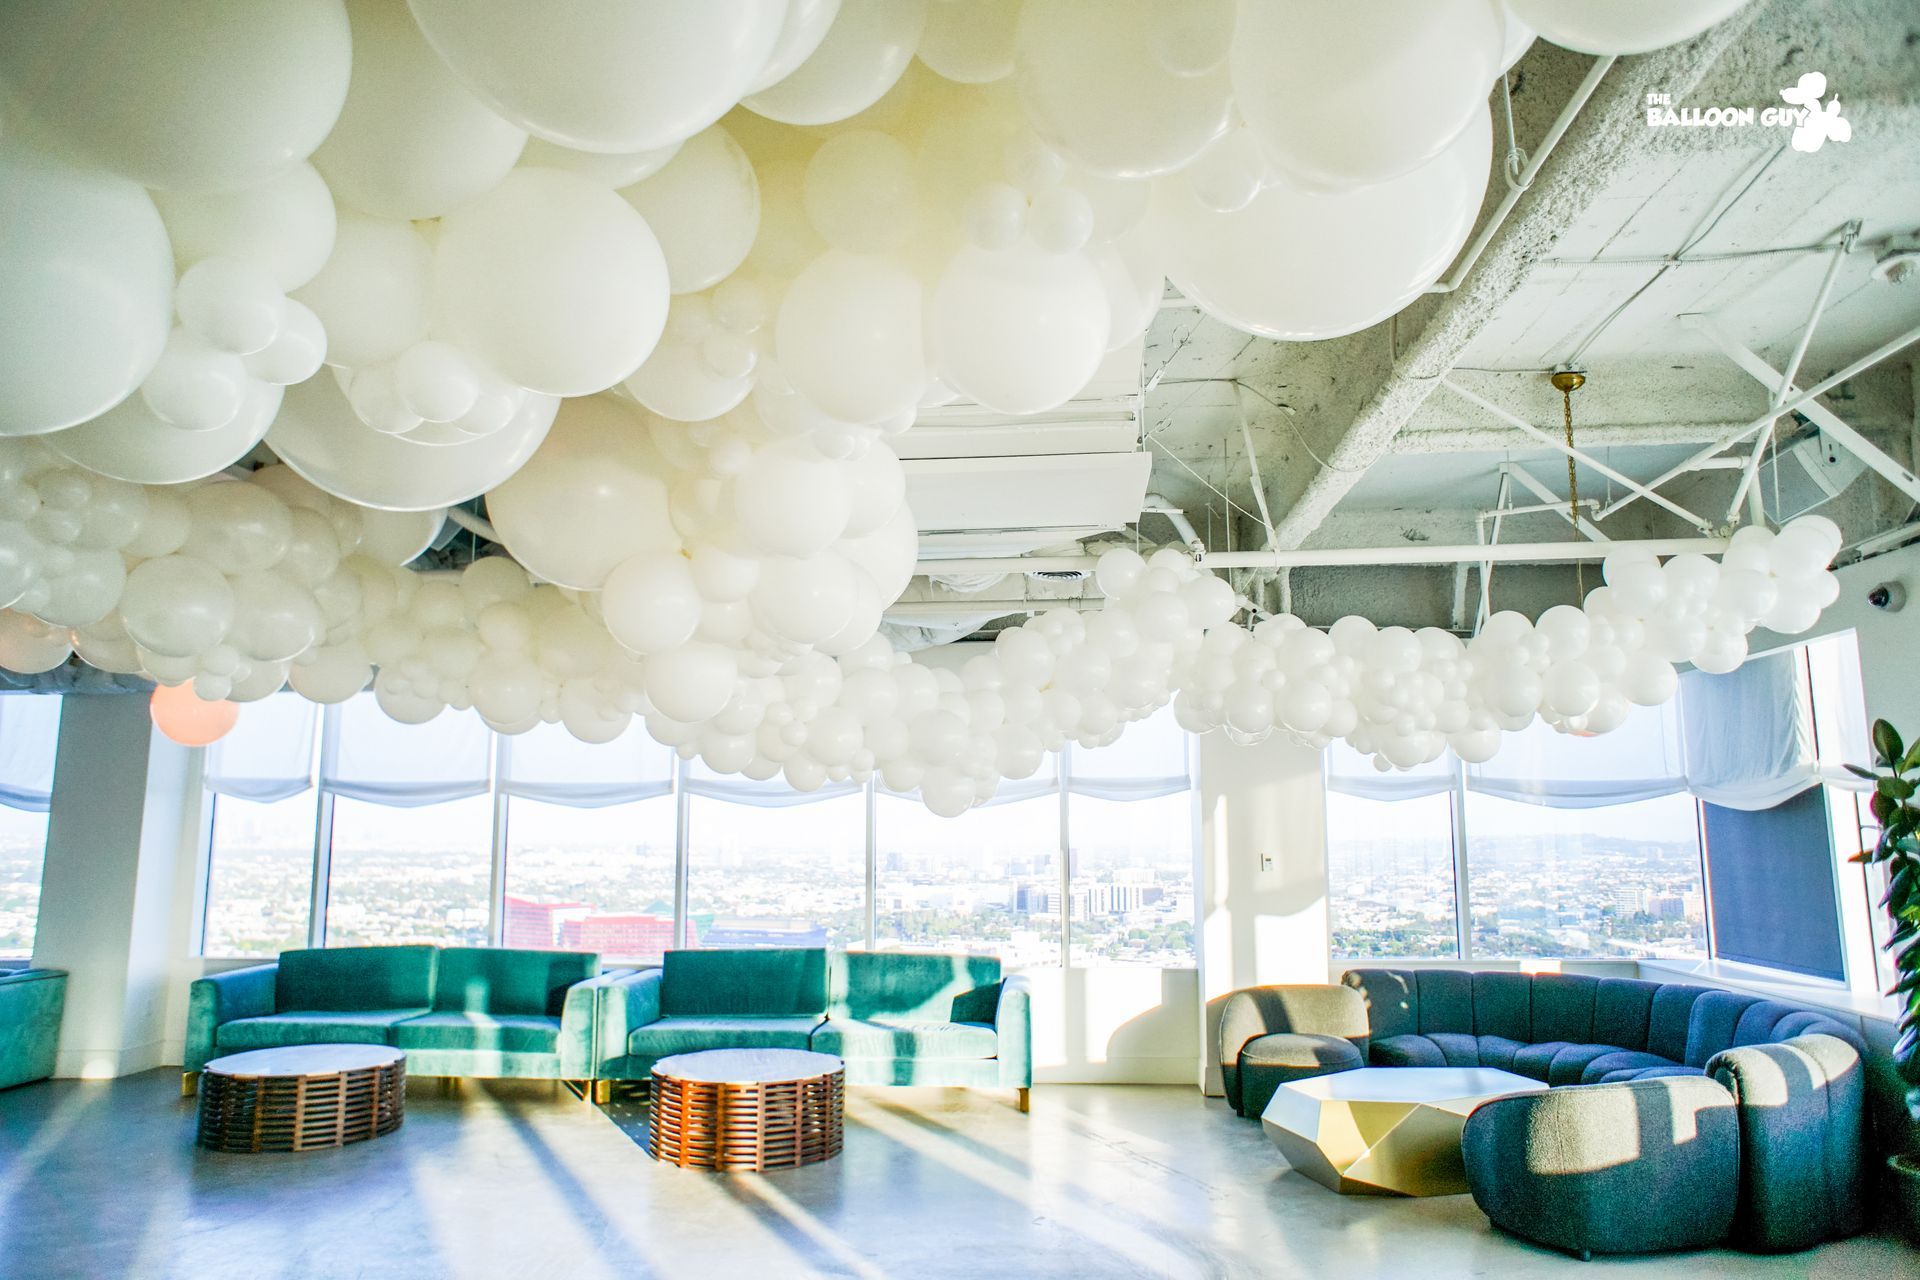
[(103, 1180)]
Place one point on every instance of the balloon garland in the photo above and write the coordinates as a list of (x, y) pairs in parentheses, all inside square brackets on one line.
[(660, 281)]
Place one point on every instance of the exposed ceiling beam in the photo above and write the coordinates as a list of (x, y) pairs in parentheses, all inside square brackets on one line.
[(1602, 435), (1610, 136)]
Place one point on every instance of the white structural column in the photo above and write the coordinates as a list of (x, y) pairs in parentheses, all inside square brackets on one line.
[(114, 882), (1263, 875)]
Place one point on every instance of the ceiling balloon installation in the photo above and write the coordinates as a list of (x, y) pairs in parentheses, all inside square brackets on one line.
[(659, 282)]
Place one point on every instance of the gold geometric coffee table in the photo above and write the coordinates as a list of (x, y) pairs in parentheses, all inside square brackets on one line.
[(1384, 1131), (747, 1110), (299, 1097)]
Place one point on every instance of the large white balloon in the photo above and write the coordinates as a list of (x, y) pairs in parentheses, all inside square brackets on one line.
[(594, 495), (970, 41), (1094, 89), (87, 282), (1019, 331), (318, 434), (1301, 265), (374, 295), (411, 142), (1620, 26), (1347, 94), (610, 169), (887, 555), (806, 25), (128, 442), (176, 605), (194, 95), (791, 501), (862, 55), (606, 75), (848, 335), (650, 602), (703, 207), (553, 280), (284, 226)]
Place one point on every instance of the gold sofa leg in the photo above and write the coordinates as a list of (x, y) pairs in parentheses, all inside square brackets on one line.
[(189, 1083), (603, 1092), (1026, 1101)]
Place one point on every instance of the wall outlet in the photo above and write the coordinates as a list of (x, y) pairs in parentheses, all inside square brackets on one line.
[(1266, 862)]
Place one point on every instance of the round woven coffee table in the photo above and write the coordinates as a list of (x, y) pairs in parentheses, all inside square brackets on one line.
[(747, 1109), (301, 1097)]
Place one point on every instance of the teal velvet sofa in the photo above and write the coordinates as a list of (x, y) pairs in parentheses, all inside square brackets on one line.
[(481, 1012), (31, 1002), (897, 1018)]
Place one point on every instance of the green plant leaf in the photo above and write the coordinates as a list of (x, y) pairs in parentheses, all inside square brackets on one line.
[(1912, 760), (1886, 742), (1898, 788), (1869, 774), (1883, 809)]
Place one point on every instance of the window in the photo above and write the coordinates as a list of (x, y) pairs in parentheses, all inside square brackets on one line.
[(448, 833), (766, 870), (410, 875), (29, 734), (1390, 875), (987, 881), (259, 875), (1571, 847), (1617, 881), (590, 879)]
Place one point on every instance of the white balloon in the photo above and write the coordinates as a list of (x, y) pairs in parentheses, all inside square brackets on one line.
[(411, 141), (970, 41), (332, 673), (848, 335), (594, 495), (805, 601), (693, 682), (176, 606), (195, 387), (1096, 91), (860, 192), (398, 537), (199, 95), (1620, 26), (318, 435), (703, 207), (1020, 331), (1345, 95), (887, 555), (88, 280), (862, 55), (29, 646), (790, 501), (1301, 266), (553, 280), (1130, 273), (284, 226), (607, 76), (876, 487), (612, 170), (374, 295), (129, 442), (650, 602), (296, 354)]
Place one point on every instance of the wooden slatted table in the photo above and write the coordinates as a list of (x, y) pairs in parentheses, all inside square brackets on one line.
[(302, 1097), (747, 1109)]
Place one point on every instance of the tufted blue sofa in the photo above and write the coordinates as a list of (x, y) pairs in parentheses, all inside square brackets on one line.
[(1568, 1028)]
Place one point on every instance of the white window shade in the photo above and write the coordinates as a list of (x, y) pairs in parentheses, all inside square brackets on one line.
[(1640, 760), (551, 765), (1149, 759), (1748, 740), (1351, 774), (1044, 782), (774, 793), (268, 754), (367, 756), (29, 732), (1840, 711)]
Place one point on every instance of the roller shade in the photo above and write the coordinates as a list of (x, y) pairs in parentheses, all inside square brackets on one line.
[(1640, 760), (29, 733), (268, 755), (1150, 758), (1749, 743), (367, 756), (550, 765)]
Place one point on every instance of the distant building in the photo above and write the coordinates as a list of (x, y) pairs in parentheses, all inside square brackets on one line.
[(633, 934), (737, 931), (538, 924)]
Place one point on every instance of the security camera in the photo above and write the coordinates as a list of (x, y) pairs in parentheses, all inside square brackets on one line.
[(1889, 596)]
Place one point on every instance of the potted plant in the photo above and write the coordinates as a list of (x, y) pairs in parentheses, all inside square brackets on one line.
[(1894, 808)]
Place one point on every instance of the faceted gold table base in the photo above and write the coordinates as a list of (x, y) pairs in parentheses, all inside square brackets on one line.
[(1384, 1131)]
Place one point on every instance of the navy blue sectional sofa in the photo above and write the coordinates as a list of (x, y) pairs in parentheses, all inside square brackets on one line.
[(1568, 1028)]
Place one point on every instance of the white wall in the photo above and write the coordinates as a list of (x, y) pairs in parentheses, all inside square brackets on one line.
[(1889, 642), (1263, 881)]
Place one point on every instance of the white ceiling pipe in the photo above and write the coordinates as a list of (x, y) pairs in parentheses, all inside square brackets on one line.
[(1181, 525), (1411, 554), (1518, 187)]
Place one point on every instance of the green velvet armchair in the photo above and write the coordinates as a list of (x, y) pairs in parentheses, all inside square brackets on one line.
[(477, 1012), (31, 1002)]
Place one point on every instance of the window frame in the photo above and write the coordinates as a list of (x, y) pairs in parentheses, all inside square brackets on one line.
[(498, 851)]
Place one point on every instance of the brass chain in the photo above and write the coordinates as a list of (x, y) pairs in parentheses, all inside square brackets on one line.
[(1568, 383)]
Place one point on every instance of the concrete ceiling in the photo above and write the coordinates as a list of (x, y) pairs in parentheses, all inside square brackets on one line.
[(1357, 443)]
